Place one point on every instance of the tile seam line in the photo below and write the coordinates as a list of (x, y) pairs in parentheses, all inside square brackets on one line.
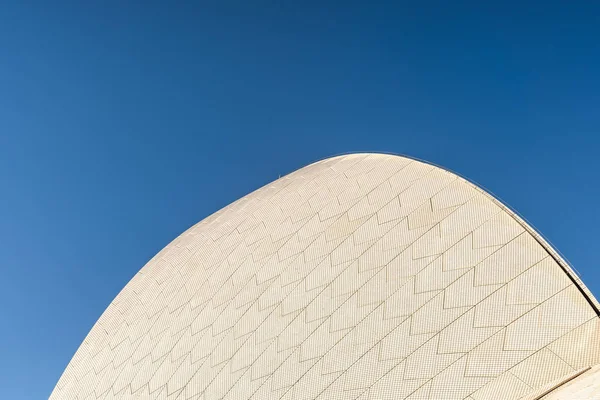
[(560, 259)]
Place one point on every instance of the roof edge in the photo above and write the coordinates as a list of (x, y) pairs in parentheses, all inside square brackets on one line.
[(566, 266)]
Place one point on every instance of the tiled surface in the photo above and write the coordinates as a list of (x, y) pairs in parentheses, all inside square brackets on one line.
[(585, 386), (364, 277)]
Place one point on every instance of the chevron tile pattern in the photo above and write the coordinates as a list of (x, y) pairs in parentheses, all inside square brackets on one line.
[(359, 277)]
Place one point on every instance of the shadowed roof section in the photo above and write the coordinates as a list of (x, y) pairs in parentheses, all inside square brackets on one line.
[(362, 276)]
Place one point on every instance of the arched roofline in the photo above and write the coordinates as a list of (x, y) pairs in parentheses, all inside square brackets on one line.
[(567, 268)]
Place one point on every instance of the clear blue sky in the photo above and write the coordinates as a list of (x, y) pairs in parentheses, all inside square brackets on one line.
[(124, 123)]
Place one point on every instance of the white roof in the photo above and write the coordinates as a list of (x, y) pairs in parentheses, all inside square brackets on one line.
[(364, 276)]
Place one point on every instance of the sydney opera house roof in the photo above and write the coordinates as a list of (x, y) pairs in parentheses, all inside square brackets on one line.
[(359, 277)]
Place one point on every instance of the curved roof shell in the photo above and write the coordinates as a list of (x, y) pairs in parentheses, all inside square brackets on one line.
[(364, 276)]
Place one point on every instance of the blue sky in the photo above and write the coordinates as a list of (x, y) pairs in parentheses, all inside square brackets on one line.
[(124, 123)]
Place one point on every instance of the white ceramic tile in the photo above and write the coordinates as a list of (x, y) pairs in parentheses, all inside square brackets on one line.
[(363, 276)]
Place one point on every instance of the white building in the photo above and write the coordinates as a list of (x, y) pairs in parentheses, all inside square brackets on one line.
[(365, 276)]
